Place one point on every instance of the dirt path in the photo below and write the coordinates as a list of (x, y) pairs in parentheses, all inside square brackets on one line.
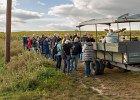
[(114, 84)]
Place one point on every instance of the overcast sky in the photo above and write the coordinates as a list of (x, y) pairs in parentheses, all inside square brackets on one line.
[(43, 15)]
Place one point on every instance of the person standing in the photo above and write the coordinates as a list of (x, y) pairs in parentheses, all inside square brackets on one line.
[(33, 42), (76, 50), (29, 46), (46, 50), (41, 40), (25, 42), (58, 55), (88, 56), (66, 49)]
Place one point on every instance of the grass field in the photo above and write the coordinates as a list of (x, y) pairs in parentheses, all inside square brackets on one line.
[(30, 76)]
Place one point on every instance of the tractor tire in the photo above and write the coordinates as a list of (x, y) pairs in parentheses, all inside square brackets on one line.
[(95, 68), (102, 67)]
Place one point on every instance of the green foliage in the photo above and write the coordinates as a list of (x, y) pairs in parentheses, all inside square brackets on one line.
[(30, 75)]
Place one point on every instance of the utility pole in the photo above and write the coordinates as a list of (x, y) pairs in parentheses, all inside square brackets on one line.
[(8, 30)]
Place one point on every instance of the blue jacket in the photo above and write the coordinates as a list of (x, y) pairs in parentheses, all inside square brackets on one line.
[(46, 47)]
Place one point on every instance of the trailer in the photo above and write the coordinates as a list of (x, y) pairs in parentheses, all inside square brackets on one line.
[(124, 54)]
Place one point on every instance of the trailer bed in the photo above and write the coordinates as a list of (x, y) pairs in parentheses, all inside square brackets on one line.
[(122, 52)]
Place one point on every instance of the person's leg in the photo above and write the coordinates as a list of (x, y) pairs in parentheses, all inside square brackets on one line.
[(87, 68), (81, 54), (76, 61), (68, 63), (71, 64), (64, 66), (59, 61)]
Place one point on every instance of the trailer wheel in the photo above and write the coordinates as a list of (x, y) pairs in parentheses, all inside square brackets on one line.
[(102, 67), (108, 65), (95, 68)]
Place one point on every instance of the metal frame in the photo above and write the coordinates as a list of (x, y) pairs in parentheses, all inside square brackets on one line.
[(122, 19)]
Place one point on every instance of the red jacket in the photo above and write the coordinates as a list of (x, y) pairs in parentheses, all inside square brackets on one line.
[(29, 43)]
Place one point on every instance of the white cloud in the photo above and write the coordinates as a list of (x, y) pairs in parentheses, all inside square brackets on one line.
[(81, 10), (40, 3), (19, 16), (26, 15), (57, 27)]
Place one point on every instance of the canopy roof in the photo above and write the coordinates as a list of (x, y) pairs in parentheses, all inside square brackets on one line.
[(122, 19)]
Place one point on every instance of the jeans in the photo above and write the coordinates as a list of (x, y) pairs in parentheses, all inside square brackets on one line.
[(67, 63), (65, 66), (58, 61), (87, 68), (81, 54), (74, 62)]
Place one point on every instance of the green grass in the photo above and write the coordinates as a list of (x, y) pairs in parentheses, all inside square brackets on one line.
[(30, 76)]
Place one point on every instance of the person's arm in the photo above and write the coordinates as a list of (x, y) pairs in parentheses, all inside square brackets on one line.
[(84, 47), (120, 30), (104, 40), (106, 30)]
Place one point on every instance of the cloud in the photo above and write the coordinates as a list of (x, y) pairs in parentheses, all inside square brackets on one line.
[(81, 10), (26, 15), (57, 27), (19, 16), (41, 3)]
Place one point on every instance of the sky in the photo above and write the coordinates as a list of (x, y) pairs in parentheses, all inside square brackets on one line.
[(63, 15)]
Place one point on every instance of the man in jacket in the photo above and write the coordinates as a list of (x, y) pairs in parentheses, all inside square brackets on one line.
[(67, 47), (76, 50)]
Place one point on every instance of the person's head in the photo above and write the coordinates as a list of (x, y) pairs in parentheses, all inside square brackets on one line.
[(76, 39), (59, 39), (42, 35), (75, 33), (102, 37), (56, 34), (110, 30), (46, 38), (85, 33), (67, 41), (90, 35), (67, 36)]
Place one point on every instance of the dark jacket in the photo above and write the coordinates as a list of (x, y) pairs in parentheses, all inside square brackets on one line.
[(33, 42), (46, 50), (66, 48), (77, 48), (91, 39), (53, 41), (25, 41), (41, 40)]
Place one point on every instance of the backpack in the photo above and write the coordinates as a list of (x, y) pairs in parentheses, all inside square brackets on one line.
[(55, 49)]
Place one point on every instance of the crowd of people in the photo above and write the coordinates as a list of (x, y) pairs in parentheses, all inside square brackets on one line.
[(66, 51)]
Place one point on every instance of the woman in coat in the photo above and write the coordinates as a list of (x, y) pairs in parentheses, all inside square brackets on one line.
[(88, 56), (46, 50)]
